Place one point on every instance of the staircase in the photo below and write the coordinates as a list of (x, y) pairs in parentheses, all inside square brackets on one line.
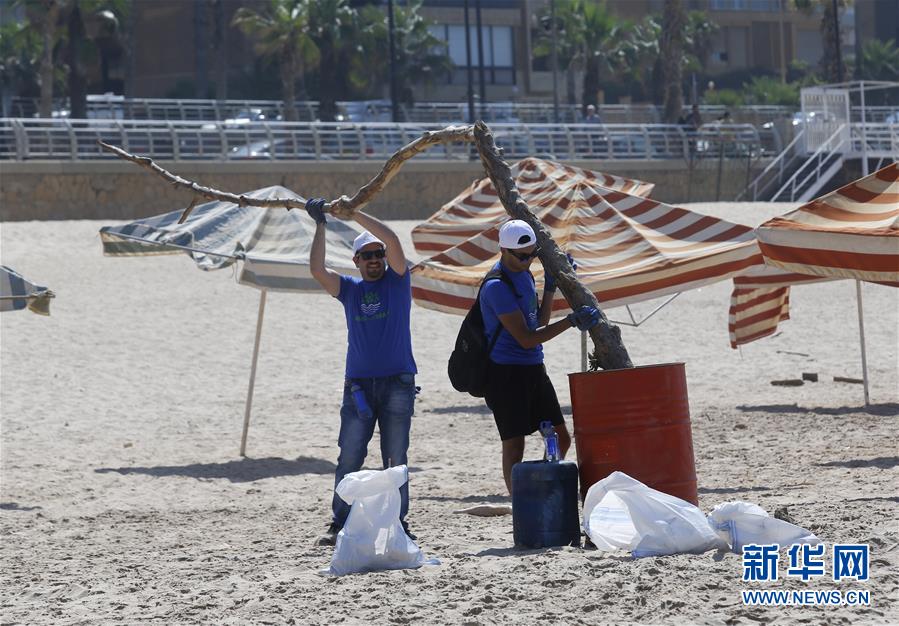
[(796, 177), (812, 175)]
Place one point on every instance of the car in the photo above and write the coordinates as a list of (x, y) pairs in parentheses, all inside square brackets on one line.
[(270, 149), (892, 118)]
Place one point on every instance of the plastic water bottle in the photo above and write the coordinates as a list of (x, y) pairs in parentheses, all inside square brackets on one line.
[(361, 403), (551, 441)]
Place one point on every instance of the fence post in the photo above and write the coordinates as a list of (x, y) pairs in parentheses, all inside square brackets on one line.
[(73, 141)]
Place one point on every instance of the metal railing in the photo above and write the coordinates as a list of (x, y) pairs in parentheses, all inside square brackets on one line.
[(62, 139), (813, 169), (118, 107), (773, 174)]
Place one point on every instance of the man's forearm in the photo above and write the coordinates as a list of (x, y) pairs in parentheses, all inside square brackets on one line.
[(377, 228), (317, 253)]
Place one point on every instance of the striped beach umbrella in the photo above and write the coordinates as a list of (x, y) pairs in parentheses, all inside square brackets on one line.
[(852, 232), (478, 208), (628, 248), (16, 293), (760, 300), (272, 246)]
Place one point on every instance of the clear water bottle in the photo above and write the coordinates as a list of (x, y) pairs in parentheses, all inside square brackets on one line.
[(550, 441), (361, 403)]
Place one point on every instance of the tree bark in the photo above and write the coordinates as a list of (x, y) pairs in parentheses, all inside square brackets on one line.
[(77, 79), (671, 50), (609, 350), (50, 18)]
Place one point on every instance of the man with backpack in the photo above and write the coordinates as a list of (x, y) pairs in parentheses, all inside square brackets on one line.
[(518, 391), (380, 370)]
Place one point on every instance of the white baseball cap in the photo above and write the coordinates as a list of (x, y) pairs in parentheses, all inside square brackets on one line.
[(516, 234), (363, 240)]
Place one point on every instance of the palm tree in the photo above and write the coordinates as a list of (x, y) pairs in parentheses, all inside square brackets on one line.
[(698, 41), (568, 47), (880, 60), (282, 32), (43, 16), (589, 37), (832, 66), (419, 56), (601, 37), (333, 27), (671, 51)]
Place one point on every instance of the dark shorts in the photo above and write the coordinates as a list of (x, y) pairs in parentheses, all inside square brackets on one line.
[(521, 396)]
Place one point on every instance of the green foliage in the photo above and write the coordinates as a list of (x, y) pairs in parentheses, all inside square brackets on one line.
[(698, 40), (768, 90), (420, 57), (20, 59), (589, 37), (880, 60), (727, 97)]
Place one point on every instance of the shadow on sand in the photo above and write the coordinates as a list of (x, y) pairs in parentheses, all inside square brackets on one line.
[(492, 499), (887, 408), (883, 462), (239, 471), (731, 489)]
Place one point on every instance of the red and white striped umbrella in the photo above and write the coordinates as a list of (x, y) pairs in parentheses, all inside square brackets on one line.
[(760, 300), (852, 232), (628, 248), (478, 208)]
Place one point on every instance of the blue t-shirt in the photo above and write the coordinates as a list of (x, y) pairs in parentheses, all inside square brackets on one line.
[(379, 342), (497, 298)]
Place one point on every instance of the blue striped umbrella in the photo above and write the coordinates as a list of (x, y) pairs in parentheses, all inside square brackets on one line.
[(272, 245), (16, 293)]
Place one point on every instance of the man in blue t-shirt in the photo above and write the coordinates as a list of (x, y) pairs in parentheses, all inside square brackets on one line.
[(519, 392), (379, 385)]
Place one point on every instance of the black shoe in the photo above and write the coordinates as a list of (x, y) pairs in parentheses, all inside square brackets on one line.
[(408, 532), (330, 536)]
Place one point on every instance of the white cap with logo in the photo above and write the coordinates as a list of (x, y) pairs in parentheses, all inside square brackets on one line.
[(363, 240), (516, 234)]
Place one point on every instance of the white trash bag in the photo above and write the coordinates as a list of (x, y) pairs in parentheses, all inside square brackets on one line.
[(742, 523), (621, 513), (372, 538)]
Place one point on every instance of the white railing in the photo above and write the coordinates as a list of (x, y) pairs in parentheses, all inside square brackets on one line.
[(813, 169), (24, 139), (118, 107), (874, 140), (773, 174)]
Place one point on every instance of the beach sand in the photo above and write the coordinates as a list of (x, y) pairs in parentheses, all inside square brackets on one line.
[(124, 499)]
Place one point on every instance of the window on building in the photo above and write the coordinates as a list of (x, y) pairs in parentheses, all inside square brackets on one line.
[(499, 52)]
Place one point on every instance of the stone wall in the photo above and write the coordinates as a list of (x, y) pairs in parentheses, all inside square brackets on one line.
[(114, 190)]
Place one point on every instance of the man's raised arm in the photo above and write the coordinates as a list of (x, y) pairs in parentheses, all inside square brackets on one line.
[(396, 259)]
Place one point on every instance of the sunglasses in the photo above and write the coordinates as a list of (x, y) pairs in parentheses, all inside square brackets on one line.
[(368, 255), (525, 256)]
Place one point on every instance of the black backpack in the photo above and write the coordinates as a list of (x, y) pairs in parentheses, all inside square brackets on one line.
[(467, 366)]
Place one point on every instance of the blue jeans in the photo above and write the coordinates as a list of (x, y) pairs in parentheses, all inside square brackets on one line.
[(392, 400)]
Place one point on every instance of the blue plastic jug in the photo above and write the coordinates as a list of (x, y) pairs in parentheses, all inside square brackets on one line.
[(545, 504)]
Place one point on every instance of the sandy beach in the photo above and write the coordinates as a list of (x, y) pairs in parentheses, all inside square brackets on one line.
[(123, 498)]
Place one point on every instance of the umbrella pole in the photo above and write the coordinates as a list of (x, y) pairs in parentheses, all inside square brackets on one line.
[(861, 333), (584, 351), (246, 415)]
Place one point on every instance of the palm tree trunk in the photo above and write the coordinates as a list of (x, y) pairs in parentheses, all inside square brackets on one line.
[(48, 31), (288, 85), (671, 50), (591, 84), (77, 80)]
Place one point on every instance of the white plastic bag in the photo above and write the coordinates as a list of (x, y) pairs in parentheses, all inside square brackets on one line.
[(621, 513), (742, 523), (372, 537)]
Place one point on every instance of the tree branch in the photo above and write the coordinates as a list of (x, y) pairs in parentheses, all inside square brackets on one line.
[(609, 351)]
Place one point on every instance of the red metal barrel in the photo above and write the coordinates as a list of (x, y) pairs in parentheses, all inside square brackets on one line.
[(637, 421)]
